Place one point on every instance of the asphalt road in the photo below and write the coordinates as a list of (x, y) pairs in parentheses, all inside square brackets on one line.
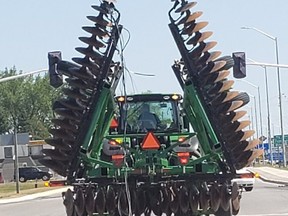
[(266, 199), (45, 206)]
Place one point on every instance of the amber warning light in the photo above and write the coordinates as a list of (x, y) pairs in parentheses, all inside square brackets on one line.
[(150, 142)]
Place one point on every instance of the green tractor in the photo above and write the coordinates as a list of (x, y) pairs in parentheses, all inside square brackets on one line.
[(148, 153)]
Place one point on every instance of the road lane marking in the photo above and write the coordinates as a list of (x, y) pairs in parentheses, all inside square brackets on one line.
[(272, 214)]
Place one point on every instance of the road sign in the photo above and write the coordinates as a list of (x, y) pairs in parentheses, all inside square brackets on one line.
[(266, 146), (276, 156), (278, 139)]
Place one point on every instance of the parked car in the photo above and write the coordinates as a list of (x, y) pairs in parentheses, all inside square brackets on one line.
[(245, 179), (31, 173)]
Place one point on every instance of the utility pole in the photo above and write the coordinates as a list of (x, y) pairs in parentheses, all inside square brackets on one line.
[(16, 159)]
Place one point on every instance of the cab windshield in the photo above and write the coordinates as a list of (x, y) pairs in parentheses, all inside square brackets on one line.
[(139, 117)]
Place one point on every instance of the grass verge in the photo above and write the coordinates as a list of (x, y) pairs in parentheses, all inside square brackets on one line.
[(8, 190)]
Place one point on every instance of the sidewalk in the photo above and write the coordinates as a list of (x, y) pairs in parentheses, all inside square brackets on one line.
[(270, 174), (33, 196)]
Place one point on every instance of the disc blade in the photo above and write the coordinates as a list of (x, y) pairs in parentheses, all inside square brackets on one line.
[(165, 199), (247, 134), (238, 115), (100, 201), (71, 104), (225, 197), (111, 201), (65, 124), (141, 200), (101, 9), (243, 124), (235, 206), (66, 113), (79, 202), (185, 7), (215, 197), (214, 55), (96, 56), (226, 85), (68, 202), (92, 42), (89, 200), (86, 63), (222, 75), (58, 143), (84, 74), (96, 31), (63, 134), (193, 28), (192, 17), (123, 202), (235, 191), (56, 166), (74, 93), (155, 200), (99, 20), (252, 144), (235, 105), (174, 204), (56, 154), (184, 199), (204, 197), (209, 45), (194, 198), (256, 153)]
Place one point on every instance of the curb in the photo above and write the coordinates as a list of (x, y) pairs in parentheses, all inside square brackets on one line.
[(273, 180), (269, 180)]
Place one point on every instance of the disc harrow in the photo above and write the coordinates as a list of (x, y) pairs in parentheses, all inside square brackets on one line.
[(85, 81), (208, 72), (179, 199), (173, 171)]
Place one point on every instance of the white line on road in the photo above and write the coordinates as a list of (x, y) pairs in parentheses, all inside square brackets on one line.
[(273, 214)]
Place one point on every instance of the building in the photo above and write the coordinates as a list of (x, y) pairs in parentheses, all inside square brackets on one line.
[(28, 153)]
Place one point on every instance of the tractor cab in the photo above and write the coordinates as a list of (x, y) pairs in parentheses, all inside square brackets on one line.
[(158, 113)]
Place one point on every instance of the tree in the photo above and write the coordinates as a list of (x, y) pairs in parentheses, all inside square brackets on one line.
[(26, 103)]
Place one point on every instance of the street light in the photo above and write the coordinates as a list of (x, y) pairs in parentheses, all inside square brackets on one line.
[(260, 111), (268, 109), (268, 114), (255, 111), (279, 85)]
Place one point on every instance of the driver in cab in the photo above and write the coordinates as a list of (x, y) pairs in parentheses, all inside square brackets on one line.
[(147, 119)]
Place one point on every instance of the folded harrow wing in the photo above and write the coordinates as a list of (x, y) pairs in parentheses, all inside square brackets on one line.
[(161, 153)]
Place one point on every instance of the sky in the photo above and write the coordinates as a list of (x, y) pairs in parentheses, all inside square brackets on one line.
[(32, 28)]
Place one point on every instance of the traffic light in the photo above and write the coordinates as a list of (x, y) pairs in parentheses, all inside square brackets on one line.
[(239, 68), (56, 78)]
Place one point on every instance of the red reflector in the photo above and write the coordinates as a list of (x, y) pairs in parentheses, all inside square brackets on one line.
[(118, 160), (183, 157), (183, 154), (150, 142), (114, 123)]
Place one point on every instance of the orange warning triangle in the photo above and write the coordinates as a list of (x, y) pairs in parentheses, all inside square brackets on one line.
[(114, 123), (150, 142)]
